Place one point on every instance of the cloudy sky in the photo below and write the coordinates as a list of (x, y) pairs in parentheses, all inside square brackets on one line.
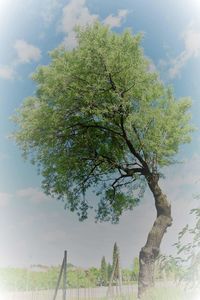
[(35, 228)]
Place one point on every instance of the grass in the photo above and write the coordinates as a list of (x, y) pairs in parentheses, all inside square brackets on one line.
[(170, 293), (158, 293)]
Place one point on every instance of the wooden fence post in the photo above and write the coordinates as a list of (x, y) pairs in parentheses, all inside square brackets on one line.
[(65, 276), (63, 270)]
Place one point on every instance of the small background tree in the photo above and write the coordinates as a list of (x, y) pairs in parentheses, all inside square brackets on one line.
[(135, 268), (116, 276), (116, 268), (109, 271), (104, 272)]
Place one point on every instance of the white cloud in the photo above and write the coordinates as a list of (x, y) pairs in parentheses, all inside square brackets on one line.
[(6, 72), (191, 38), (152, 67), (74, 13), (32, 194), (26, 52), (115, 21), (5, 199), (186, 173), (48, 10)]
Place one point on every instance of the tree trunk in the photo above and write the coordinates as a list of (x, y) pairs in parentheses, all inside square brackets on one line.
[(150, 251)]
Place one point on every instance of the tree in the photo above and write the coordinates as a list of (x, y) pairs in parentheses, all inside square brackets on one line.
[(109, 268), (116, 263), (101, 119), (116, 276), (104, 272), (127, 276), (135, 268)]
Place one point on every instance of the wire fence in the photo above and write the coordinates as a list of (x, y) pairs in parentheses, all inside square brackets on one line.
[(73, 294), (58, 289)]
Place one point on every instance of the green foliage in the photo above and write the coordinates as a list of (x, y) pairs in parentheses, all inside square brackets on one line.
[(168, 268), (77, 278), (127, 276), (188, 251), (104, 272), (115, 262), (100, 119), (109, 268), (23, 279), (93, 276), (115, 253), (136, 268)]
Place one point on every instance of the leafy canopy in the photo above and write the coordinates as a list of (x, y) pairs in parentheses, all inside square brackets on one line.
[(102, 119)]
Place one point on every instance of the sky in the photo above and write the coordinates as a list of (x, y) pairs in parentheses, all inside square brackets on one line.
[(34, 228)]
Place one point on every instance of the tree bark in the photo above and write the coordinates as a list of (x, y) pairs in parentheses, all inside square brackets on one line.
[(150, 251)]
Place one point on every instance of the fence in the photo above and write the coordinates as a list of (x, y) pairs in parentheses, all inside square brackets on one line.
[(72, 294), (62, 292), (110, 292)]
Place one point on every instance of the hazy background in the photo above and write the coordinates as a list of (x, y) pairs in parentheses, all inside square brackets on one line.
[(37, 229)]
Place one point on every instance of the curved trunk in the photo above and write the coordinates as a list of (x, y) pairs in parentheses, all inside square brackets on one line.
[(150, 251)]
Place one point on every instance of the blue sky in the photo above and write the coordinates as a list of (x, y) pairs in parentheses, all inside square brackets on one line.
[(35, 228)]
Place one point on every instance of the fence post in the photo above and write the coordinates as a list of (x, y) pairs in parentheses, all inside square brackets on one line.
[(58, 282), (65, 276), (63, 270)]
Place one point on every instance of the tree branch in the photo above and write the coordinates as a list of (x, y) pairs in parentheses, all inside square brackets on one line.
[(97, 126), (112, 82), (141, 144), (128, 171), (132, 149), (91, 173), (128, 89), (123, 184), (103, 90)]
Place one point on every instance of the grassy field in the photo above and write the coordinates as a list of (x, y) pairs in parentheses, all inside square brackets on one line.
[(169, 294)]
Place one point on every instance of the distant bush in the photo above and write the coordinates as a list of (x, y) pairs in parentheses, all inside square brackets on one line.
[(14, 279)]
